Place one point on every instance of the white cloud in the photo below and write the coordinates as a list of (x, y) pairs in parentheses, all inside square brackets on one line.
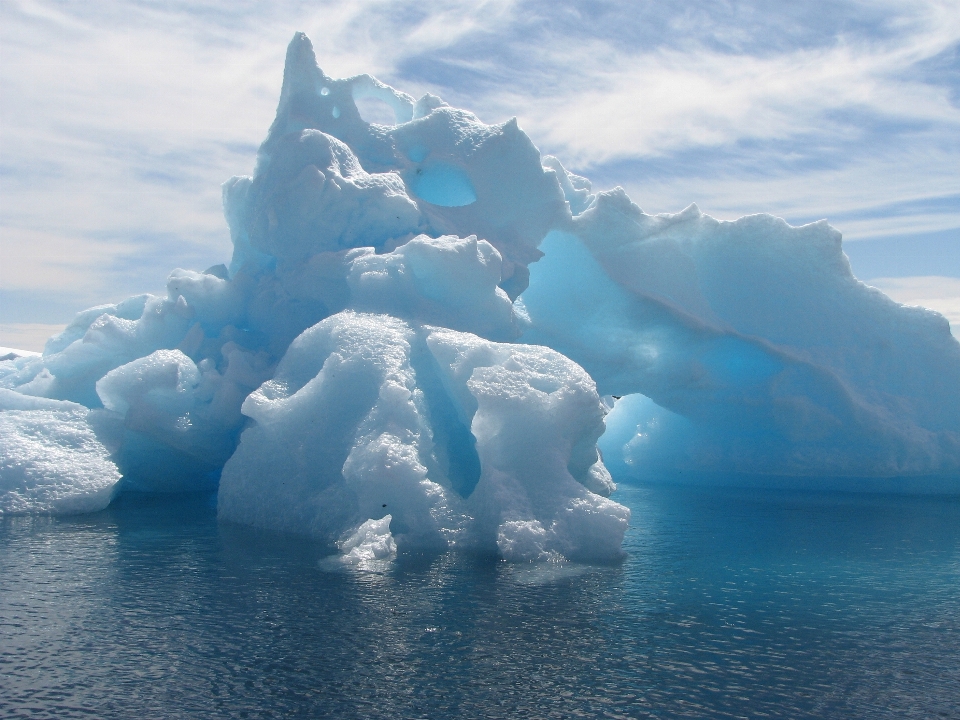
[(867, 187), (26, 336), (934, 292), (838, 130), (616, 101)]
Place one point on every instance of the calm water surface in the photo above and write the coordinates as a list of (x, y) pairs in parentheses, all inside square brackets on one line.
[(728, 604)]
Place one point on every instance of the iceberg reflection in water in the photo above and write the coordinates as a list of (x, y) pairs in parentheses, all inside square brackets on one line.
[(729, 603)]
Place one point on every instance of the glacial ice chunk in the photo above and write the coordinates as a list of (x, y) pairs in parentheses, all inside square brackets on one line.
[(760, 350), (370, 545), (469, 178), (51, 461), (444, 184), (96, 342), (407, 347), (536, 418), (445, 281), (314, 196), (345, 434), (174, 424), (158, 384), (339, 437)]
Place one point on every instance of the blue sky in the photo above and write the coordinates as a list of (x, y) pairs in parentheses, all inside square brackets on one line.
[(119, 120)]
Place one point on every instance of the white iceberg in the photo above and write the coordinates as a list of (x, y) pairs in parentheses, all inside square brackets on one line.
[(379, 365), (464, 442)]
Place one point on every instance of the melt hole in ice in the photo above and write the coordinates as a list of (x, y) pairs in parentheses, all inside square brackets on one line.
[(445, 185), (418, 153), (375, 111)]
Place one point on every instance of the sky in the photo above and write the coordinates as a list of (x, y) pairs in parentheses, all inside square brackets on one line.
[(120, 119)]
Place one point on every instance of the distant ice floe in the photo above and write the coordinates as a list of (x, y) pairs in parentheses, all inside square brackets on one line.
[(7, 353), (408, 348)]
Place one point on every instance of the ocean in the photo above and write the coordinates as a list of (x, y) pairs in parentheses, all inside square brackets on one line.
[(728, 604)]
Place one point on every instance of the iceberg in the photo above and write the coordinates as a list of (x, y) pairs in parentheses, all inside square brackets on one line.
[(427, 334)]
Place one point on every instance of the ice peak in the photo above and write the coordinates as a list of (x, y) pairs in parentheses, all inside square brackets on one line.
[(300, 71), (302, 83)]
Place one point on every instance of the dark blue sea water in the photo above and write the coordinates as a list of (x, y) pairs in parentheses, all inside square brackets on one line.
[(728, 604)]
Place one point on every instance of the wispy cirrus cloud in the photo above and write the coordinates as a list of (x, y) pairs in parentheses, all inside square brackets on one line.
[(842, 123)]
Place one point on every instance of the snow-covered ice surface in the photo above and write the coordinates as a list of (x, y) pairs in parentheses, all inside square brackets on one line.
[(415, 324), (465, 442), (50, 458)]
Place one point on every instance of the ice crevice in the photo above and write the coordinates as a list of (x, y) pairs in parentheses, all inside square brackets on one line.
[(407, 350)]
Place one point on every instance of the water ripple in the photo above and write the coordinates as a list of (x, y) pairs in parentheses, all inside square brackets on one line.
[(729, 604)]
